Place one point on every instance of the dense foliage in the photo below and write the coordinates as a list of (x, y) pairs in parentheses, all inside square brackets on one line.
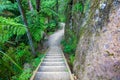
[(73, 8), (16, 60), (38, 19)]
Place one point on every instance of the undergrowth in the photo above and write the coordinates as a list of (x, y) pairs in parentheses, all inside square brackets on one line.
[(20, 60), (69, 48)]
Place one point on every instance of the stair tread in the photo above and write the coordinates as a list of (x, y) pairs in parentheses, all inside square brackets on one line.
[(52, 69), (52, 64), (53, 54), (53, 57), (52, 60), (52, 76)]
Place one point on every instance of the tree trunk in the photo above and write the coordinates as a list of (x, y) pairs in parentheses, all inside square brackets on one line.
[(68, 22), (57, 7), (30, 5), (38, 5), (25, 22)]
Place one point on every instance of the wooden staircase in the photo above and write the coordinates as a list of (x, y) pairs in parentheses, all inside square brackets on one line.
[(54, 65)]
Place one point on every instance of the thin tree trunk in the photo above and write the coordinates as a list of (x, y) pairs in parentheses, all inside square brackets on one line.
[(30, 5), (48, 22), (57, 7), (68, 17), (38, 5), (25, 22)]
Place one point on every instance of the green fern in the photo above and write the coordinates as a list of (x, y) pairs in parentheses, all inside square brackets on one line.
[(7, 5), (47, 7), (78, 7), (36, 25), (8, 28), (8, 57), (7, 8)]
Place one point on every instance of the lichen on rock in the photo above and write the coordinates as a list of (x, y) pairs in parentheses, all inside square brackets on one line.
[(98, 50)]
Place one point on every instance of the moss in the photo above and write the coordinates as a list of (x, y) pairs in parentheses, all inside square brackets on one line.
[(86, 5), (88, 64), (82, 31), (116, 67), (66, 70), (97, 34), (78, 67), (110, 54), (78, 7), (68, 48), (72, 58), (92, 7)]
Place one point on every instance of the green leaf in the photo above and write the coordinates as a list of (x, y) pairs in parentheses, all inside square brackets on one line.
[(9, 28)]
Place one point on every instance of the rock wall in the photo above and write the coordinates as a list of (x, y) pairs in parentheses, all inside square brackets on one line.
[(98, 31)]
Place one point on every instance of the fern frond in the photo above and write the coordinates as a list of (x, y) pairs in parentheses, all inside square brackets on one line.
[(47, 7), (7, 5), (8, 28), (8, 9), (37, 34), (8, 57)]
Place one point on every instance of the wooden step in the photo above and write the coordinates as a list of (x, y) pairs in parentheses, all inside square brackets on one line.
[(53, 60), (52, 64), (52, 76), (52, 69), (53, 54), (53, 57)]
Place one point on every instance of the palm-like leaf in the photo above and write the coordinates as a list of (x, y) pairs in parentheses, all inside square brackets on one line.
[(8, 28)]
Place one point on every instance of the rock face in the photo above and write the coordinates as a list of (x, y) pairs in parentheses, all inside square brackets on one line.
[(98, 50)]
